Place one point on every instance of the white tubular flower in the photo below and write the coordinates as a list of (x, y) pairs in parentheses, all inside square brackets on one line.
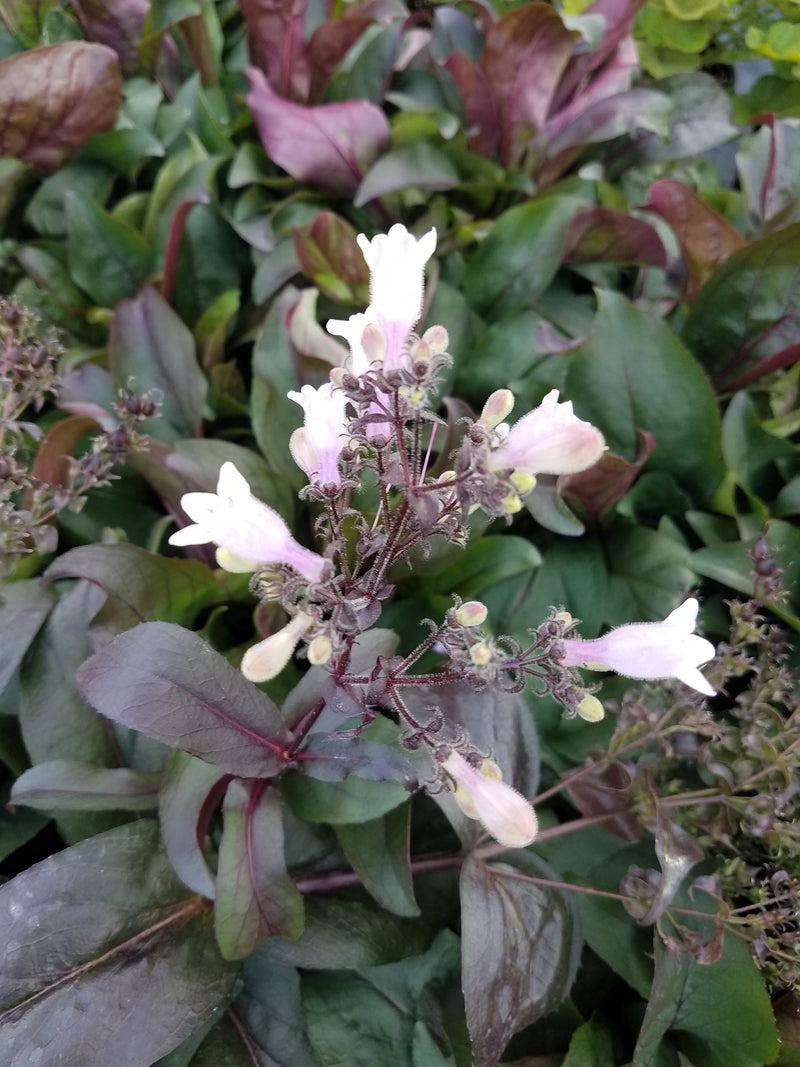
[(233, 519), (397, 262), (325, 432), (668, 649), (366, 346), (482, 794), (267, 659), (549, 440)]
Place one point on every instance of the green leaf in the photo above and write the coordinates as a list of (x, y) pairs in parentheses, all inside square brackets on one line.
[(751, 451), (388, 1007), (269, 1007), (485, 563), (108, 259), (255, 896), (153, 588), (648, 573), (107, 958), (355, 800), (378, 852), (520, 257), (421, 165), (23, 610), (172, 686), (150, 348), (573, 575), (349, 934), (72, 785), (749, 310), (520, 944), (719, 1014), (631, 374), (592, 1045)]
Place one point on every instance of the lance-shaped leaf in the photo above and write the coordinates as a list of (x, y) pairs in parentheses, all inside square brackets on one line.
[(706, 238), (479, 103), (169, 684), (328, 46), (107, 958), (54, 99), (769, 167), (72, 785), (190, 792), (520, 948), (276, 40), (332, 759), (117, 24), (331, 145), (255, 898), (151, 348), (378, 852)]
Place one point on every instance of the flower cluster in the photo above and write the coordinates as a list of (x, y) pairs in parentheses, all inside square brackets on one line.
[(375, 419)]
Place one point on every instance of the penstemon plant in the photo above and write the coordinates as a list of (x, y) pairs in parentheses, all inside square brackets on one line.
[(374, 421)]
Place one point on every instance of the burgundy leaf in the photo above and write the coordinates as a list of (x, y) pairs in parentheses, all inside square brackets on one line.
[(607, 789), (169, 684), (256, 898), (331, 145), (525, 55), (706, 238), (614, 78), (601, 486), (328, 46), (479, 105), (601, 234), (190, 793), (275, 34), (117, 24), (54, 99)]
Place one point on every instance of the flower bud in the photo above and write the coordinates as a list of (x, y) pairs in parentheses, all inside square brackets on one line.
[(511, 504), (591, 709), (497, 408), (480, 653), (523, 482), (267, 659), (481, 794), (234, 564), (320, 650), (473, 613), (437, 338)]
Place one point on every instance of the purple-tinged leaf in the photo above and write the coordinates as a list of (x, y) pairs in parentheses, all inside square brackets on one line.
[(748, 312), (255, 898), (602, 234), (169, 684), (520, 946), (150, 348), (601, 486), (525, 55), (107, 957), (422, 165), (153, 588), (190, 792), (607, 789), (769, 167), (677, 853), (330, 258), (332, 145), (328, 46), (705, 237), (72, 785), (479, 104), (276, 41), (613, 116), (23, 609), (54, 99), (117, 24)]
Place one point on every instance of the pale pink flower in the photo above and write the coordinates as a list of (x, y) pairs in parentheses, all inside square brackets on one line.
[(482, 794), (367, 347), (267, 659), (233, 519), (324, 433), (668, 649), (397, 263), (549, 440)]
